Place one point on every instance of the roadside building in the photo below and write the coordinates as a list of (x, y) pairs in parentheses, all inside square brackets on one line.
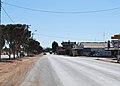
[(68, 47), (83, 48), (116, 44), (61, 51), (77, 49), (114, 47), (91, 48)]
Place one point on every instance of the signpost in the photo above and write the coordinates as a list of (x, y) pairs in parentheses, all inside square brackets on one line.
[(116, 44)]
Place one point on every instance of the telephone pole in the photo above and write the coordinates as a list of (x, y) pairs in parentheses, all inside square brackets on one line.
[(0, 10), (0, 30)]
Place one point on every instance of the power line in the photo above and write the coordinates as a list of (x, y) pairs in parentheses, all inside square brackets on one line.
[(63, 12), (60, 37), (7, 15), (51, 36)]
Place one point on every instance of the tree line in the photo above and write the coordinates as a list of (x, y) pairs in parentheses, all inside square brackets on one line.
[(18, 39)]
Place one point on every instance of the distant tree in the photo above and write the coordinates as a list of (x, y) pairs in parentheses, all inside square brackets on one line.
[(33, 47), (47, 49), (54, 47), (39, 49)]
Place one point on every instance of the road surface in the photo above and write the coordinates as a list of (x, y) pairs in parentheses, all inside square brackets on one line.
[(54, 70)]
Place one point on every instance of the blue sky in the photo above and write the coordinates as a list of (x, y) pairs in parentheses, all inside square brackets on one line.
[(99, 26)]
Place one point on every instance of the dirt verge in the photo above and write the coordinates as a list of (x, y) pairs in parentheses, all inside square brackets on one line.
[(12, 72)]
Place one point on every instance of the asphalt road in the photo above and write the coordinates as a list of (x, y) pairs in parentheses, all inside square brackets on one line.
[(54, 70)]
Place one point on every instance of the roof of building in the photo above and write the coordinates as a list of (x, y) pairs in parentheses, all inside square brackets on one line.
[(93, 44)]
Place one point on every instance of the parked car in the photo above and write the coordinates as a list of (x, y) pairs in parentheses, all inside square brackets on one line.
[(22, 54), (50, 52), (44, 53), (103, 53)]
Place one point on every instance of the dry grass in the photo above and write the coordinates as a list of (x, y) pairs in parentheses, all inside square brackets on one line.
[(12, 72)]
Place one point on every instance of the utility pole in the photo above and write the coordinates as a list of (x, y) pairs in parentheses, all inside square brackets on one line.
[(0, 10), (0, 30)]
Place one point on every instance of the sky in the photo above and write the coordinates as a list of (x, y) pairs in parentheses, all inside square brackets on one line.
[(79, 27)]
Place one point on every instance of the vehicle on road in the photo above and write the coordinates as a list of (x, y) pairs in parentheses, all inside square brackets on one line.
[(103, 53), (44, 53)]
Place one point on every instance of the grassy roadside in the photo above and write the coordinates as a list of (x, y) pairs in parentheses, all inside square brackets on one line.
[(12, 72)]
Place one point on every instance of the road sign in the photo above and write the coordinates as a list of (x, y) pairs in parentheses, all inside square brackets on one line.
[(115, 43), (117, 36)]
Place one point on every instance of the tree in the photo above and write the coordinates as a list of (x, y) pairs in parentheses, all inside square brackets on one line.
[(2, 41), (9, 35), (54, 47), (48, 49), (33, 47), (16, 36), (39, 49), (22, 37)]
